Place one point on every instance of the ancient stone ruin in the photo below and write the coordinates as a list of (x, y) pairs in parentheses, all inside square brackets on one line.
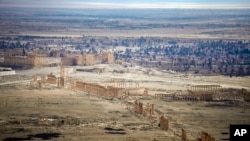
[(164, 123), (147, 110), (88, 59), (16, 58), (99, 90), (203, 92)]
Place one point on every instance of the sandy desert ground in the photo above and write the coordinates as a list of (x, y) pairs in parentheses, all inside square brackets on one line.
[(28, 113), (186, 33)]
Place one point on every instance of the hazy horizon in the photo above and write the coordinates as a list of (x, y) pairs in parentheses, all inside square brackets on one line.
[(199, 4)]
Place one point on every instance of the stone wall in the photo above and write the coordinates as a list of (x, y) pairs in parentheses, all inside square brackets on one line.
[(16, 58), (70, 61), (205, 88), (136, 91), (88, 59), (105, 57), (99, 90)]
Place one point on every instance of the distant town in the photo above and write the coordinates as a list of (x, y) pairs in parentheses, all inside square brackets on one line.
[(206, 57)]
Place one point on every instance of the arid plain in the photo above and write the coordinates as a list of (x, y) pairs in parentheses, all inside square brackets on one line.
[(67, 114), (80, 92)]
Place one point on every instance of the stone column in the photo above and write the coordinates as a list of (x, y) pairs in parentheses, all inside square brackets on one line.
[(43, 79), (135, 106), (152, 109), (147, 107), (140, 108), (39, 85), (183, 135), (35, 78)]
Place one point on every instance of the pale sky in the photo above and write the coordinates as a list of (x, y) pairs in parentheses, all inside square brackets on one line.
[(210, 4)]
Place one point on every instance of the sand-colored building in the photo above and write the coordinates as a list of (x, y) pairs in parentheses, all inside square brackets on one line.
[(88, 59), (70, 60), (105, 57), (16, 57), (80, 60)]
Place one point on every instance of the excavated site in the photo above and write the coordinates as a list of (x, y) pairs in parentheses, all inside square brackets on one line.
[(117, 102)]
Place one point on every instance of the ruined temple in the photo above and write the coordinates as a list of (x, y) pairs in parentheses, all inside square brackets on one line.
[(105, 57), (204, 92), (70, 60), (17, 57), (88, 59)]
